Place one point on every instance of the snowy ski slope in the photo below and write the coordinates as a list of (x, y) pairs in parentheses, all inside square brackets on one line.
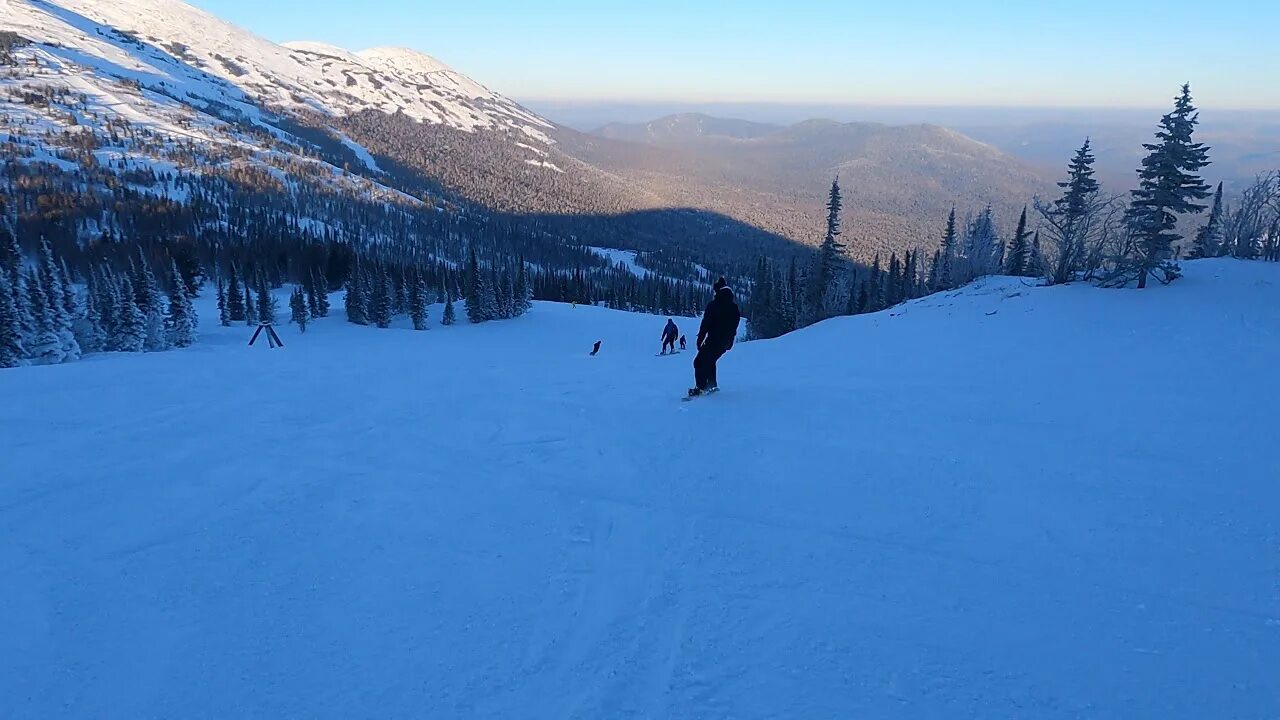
[(1002, 502)]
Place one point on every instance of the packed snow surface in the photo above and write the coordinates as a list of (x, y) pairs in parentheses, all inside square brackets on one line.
[(1001, 502)]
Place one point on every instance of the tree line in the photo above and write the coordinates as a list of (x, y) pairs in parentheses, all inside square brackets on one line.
[(1084, 234)]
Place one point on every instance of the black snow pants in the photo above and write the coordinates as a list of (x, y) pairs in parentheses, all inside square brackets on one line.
[(704, 364)]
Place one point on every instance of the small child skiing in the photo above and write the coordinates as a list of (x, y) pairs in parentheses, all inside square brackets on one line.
[(681, 342), (669, 335)]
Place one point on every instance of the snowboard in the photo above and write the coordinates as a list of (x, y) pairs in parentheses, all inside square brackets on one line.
[(688, 397)]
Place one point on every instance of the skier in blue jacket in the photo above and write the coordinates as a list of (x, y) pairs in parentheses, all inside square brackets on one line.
[(669, 335)]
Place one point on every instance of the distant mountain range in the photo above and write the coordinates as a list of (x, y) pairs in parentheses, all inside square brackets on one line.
[(899, 181), (199, 95)]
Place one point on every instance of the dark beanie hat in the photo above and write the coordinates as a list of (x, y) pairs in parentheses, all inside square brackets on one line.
[(719, 283)]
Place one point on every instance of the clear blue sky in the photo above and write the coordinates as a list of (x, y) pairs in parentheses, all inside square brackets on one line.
[(1120, 53)]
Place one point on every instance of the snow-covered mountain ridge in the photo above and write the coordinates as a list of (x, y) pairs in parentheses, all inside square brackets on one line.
[(203, 58)]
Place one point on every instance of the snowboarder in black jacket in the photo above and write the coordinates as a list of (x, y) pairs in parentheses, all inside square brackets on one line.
[(669, 335), (715, 338)]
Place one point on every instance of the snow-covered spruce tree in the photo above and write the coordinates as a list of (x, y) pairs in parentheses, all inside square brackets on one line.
[(157, 335), (875, 287), (381, 299), (400, 284), (267, 305), (130, 324), (1209, 237), (106, 291), (250, 305), (184, 254), (354, 300), (946, 267), (827, 264), (146, 291), (475, 290), (44, 347), (90, 333), (235, 297), (298, 311), (70, 302), (980, 245), (58, 297), (311, 287), (418, 303), (489, 291), (1072, 222), (1017, 260), (11, 266), (1168, 186), (12, 350), (322, 294), (505, 296), (448, 317), (523, 290), (182, 321), (224, 315)]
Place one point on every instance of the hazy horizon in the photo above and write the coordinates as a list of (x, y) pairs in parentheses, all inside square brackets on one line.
[(982, 53)]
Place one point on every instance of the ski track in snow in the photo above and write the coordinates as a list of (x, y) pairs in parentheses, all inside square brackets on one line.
[(998, 502)]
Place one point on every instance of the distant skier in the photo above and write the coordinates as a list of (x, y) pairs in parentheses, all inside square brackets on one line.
[(669, 335), (681, 342), (715, 338)]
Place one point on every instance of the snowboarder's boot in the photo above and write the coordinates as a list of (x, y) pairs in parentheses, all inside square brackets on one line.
[(694, 392)]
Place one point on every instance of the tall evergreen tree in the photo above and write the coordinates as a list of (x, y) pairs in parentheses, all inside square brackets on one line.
[(948, 254), (448, 317), (355, 300), (298, 311), (418, 303), (1019, 255), (182, 320), (523, 289), (250, 305), (44, 347), (12, 350), (235, 297), (1168, 186), (61, 303), (381, 300), (892, 282), (476, 291), (267, 305), (1208, 240), (89, 330), (224, 315), (146, 291), (827, 265), (1070, 220), (981, 243), (401, 304), (506, 296), (875, 287), (131, 330), (70, 303), (106, 293)]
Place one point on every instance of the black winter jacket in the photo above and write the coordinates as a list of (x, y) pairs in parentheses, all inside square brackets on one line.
[(720, 320)]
